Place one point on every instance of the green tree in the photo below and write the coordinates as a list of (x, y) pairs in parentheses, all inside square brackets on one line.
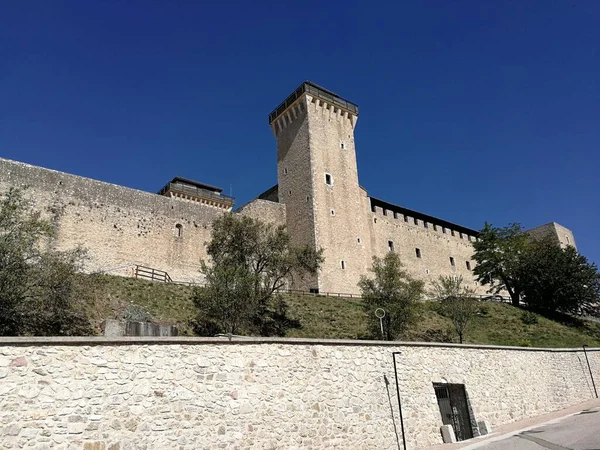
[(250, 261), (394, 291), (498, 253), (457, 302), (559, 279), (39, 290)]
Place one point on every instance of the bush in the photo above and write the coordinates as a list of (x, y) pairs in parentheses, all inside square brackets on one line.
[(529, 318), (135, 313)]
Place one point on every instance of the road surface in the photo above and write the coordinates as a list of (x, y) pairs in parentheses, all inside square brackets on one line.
[(578, 432)]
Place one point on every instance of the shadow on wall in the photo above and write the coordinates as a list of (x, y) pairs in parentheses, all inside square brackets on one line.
[(387, 387)]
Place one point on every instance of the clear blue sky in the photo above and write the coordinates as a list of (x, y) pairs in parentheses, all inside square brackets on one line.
[(469, 110)]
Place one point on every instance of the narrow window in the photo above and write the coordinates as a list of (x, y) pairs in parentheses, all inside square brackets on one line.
[(328, 179), (307, 199), (285, 171), (391, 246), (343, 265), (427, 271), (416, 221), (290, 192), (568, 240), (468, 265), (358, 240), (332, 212), (375, 220), (342, 145), (179, 230), (418, 252), (452, 261)]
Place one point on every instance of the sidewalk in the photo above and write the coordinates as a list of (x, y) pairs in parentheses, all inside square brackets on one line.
[(513, 428)]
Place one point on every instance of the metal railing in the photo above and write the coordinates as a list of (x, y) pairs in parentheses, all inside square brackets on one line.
[(194, 191)]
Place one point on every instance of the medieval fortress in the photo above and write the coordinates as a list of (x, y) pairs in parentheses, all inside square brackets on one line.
[(318, 198)]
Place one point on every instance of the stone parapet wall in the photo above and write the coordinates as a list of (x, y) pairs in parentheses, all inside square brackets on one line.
[(192, 393)]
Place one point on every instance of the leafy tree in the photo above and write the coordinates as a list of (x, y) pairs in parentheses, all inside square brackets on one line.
[(457, 302), (557, 279), (250, 262), (39, 290), (498, 254), (393, 290)]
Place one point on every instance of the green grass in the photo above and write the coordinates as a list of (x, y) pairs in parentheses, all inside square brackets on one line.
[(344, 318)]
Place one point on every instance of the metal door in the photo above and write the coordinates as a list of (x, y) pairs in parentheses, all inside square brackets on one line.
[(452, 400)]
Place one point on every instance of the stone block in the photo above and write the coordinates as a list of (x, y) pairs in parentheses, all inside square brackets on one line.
[(448, 434), (484, 427)]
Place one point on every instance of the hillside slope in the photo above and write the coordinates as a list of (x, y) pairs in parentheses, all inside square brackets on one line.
[(343, 318)]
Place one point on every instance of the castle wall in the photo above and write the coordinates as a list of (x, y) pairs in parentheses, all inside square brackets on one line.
[(435, 246), (559, 234), (118, 225), (265, 210), (340, 227), (295, 184), (180, 393)]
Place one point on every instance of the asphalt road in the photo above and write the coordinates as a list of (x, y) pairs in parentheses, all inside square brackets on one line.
[(578, 432)]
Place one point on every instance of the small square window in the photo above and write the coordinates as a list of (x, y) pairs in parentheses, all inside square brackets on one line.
[(452, 261), (418, 252), (328, 179), (468, 265)]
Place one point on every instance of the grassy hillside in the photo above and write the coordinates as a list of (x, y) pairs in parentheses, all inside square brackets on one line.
[(342, 318)]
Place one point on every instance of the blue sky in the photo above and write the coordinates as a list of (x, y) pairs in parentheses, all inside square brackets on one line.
[(469, 110)]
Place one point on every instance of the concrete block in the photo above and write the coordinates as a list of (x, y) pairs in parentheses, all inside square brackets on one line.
[(484, 427), (448, 434)]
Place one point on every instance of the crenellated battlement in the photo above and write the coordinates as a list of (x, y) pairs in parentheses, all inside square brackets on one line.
[(324, 101)]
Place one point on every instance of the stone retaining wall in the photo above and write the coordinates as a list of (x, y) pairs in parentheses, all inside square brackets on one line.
[(191, 393)]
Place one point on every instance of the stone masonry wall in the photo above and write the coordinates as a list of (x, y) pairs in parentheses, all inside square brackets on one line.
[(435, 246), (265, 210), (121, 226), (190, 393)]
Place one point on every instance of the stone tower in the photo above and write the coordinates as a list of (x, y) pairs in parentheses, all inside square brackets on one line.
[(318, 183)]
